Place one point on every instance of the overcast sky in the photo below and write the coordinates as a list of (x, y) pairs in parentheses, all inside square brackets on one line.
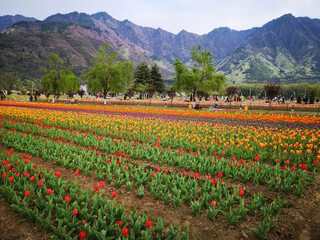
[(197, 16)]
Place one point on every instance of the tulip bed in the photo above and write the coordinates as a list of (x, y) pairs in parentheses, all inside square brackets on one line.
[(221, 167)]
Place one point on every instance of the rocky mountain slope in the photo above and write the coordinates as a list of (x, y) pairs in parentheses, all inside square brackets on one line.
[(285, 50)]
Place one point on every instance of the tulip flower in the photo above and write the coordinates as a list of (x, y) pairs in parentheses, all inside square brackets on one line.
[(148, 224), (125, 232), (27, 193), (241, 192), (82, 235)]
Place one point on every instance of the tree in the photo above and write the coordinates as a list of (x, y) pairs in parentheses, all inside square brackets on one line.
[(142, 77), (150, 92), (231, 91), (106, 75), (200, 76), (8, 81), (171, 94), (272, 90), (81, 92), (58, 77), (156, 79)]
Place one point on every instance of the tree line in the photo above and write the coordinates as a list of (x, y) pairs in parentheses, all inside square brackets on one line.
[(108, 76)]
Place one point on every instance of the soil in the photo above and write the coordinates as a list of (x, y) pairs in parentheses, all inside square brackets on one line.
[(13, 227), (300, 220)]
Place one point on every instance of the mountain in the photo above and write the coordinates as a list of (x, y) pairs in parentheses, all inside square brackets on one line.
[(284, 50), (9, 20)]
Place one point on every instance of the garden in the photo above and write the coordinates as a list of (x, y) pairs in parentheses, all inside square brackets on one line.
[(130, 172)]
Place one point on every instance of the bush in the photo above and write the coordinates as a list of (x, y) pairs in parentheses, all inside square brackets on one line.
[(311, 101), (299, 99)]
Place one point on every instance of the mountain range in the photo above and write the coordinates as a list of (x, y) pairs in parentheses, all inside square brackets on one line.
[(285, 50)]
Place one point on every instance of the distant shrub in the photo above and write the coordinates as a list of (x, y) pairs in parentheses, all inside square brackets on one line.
[(299, 99), (311, 101)]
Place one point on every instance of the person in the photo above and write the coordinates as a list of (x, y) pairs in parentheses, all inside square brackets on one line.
[(35, 98), (31, 98), (216, 106)]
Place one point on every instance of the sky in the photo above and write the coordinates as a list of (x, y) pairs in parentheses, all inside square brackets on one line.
[(196, 16)]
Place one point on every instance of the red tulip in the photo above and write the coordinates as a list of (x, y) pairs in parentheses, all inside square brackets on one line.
[(18, 174), (8, 167), (101, 183), (148, 224), (27, 193), (8, 161), (153, 174), (114, 194), (214, 180), (159, 169), (24, 155), (26, 173), (11, 179), (49, 191), (75, 212), (241, 192), (40, 183), (67, 199), (214, 203), (96, 187), (3, 163), (41, 175), (25, 161), (120, 223), (32, 178), (82, 235), (108, 161), (126, 168), (184, 172), (166, 171), (220, 175), (8, 154), (58, 174), (29, 157), (125, 232), (76, 172), (316, 162), (196, 175)]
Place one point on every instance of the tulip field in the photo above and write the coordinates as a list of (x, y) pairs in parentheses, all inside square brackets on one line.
[(128, 172)]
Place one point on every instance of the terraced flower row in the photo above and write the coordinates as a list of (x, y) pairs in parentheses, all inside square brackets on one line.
[(213, 170)]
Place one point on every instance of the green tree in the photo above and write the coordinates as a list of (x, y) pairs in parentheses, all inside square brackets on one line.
[(8, 81), (59, 78), (107, 75), (142, 77), (199, 76), (156, 79)]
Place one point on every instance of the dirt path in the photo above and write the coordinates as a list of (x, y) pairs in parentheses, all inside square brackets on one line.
[(14, 227)]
